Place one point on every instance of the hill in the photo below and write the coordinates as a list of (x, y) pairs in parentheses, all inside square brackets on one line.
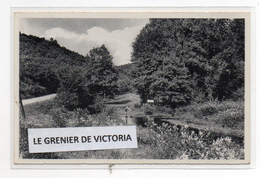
[(39, 61), (125, 78)]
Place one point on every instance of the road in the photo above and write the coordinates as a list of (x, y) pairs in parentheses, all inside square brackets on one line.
[(120, 102), (38, 99)]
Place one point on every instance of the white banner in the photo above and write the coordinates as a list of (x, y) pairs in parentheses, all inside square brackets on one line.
[(81, 138)]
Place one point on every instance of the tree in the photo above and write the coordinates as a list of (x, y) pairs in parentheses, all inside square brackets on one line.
[(80, 86), (71, 92), (40, 60), (209, 52), (102, 79), (161, 73)]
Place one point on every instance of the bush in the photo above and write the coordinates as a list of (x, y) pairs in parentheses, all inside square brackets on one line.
[(206, 110), (24, 124), (141, 120), (59, 117), (165, 109), (232, 118), (220, 149), (111, 113), (30, 90), (68, 100), (98, 105), (154, 141), (149, 110), (171, 142)]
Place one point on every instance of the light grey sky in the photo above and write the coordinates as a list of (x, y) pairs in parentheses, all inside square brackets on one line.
[(81, 35)]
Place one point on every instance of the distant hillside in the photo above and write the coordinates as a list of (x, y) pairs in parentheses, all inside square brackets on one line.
[(125, 69), (125, 78), (39, 61), (32, 46)]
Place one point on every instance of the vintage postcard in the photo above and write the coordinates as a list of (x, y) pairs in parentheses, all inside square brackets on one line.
[(132, 88)]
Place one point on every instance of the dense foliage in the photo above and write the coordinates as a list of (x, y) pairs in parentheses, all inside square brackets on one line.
[(103, 75), (179, 60), (85, 86), (45, 68), (155, 141), (125, 78), (40, 61)]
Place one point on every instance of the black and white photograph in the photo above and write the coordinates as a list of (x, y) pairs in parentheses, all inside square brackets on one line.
[(132, 87)]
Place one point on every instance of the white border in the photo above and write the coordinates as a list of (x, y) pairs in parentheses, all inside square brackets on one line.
[(5, 163), (141, 13)]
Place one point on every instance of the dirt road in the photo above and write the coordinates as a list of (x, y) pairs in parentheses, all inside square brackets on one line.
[(121, 102), (38, 99)]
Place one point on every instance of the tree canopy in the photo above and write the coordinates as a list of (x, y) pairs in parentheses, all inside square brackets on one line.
[(80, 86), (181, 59), (40, 60), (46, 67)]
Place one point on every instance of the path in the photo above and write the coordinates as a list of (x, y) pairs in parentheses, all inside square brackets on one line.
[(38, 99), (120, 102)]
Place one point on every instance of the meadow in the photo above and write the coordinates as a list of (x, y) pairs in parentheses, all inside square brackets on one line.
[(169, 139)]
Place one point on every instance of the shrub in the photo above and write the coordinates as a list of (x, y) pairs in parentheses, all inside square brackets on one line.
[(141, 120), (232, 118), (59, 116), (31, 89), (165, 109), (24, 124), (149, 110), (98, 105), (196, 146), (111, 113), (224, 148), (170, 142), (155, 141), (220, 149), (68, 100), (206, 110)]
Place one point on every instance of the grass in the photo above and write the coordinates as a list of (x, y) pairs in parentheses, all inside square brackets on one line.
[(122, 101), (226, 117), (155, 141)]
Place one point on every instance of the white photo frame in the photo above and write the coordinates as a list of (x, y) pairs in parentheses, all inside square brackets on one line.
[(134, 162)]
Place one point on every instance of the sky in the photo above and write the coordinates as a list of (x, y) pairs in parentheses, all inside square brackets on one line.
[(82, 35)]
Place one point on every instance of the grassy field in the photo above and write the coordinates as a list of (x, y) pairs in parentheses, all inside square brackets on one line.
[(226, 117), (155, 141)]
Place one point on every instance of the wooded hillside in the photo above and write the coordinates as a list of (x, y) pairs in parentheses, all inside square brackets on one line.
[(46, 67), (174, 61), (126, 78), (39, 61), (183, 60)]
